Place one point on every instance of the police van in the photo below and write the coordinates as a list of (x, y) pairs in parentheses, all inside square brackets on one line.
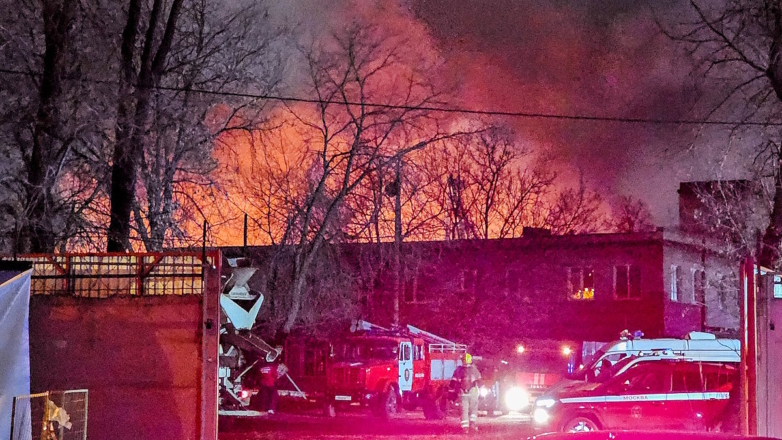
[(663, 391)]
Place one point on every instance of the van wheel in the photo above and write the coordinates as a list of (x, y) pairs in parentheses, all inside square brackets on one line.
[(580, 424)]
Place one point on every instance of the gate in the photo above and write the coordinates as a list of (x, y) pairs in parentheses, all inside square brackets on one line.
[(53, 415)]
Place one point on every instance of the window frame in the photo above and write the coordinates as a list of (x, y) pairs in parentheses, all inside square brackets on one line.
[(580, 282), (632, 294), (674, 273)]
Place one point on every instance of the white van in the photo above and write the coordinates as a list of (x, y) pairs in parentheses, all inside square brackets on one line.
[(697, 346)]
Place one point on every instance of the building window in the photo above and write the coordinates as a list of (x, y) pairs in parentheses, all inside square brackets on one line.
[(675, 282), (699, 286), (777, 286), (581, 284), (722, 293), (627, 282)]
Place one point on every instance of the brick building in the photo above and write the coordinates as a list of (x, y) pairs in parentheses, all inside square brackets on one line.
[(495, 293), (572, 287)]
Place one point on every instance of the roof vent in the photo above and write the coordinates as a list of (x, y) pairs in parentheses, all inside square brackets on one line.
[(529, 232)]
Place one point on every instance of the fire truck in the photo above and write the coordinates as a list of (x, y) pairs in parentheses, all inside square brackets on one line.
[(387, 370)]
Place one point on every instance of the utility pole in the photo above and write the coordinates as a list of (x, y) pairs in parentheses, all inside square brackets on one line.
[(750, 279), (398, 285), (245, 231)]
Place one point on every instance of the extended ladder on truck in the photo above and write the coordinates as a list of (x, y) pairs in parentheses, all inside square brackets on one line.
[(443, 363)]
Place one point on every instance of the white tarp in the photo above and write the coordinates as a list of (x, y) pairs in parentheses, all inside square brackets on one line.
[(14, 346)]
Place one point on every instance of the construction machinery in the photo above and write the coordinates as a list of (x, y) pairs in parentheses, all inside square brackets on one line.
[(238, 344)]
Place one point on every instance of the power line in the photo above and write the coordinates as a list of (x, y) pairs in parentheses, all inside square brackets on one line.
[(439, 109)]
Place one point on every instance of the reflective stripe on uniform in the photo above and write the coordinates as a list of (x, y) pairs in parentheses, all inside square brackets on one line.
[(648, 397)]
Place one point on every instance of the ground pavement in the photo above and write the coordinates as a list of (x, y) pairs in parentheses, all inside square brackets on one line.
[(364, 426)]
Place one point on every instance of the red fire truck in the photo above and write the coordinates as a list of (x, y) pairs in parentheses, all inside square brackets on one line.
[(386, 370)]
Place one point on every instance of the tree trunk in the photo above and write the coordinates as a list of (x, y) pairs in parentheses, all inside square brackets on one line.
[(58, 18), (129, 139)]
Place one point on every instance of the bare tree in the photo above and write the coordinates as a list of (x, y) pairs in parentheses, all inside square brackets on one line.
[(630, 215), (575, 211), (327, 150), (738, 44), (146, 42), (51, 140), (219, 50)]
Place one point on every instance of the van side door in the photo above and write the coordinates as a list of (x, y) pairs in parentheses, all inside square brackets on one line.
[(686, 399), (636, 399)]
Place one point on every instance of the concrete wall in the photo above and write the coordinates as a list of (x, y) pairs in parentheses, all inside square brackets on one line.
[(769, 371), (140, 358)]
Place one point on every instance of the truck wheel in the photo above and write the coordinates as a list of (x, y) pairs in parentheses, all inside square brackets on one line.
[(388, 405), (436, 408), (580, 424), (410, 403)]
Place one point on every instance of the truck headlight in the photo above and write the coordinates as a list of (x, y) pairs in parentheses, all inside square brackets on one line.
[(516, 399), (484, 391), (545, 402)]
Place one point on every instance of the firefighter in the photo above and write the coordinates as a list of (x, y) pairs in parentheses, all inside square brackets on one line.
[(466, 378)]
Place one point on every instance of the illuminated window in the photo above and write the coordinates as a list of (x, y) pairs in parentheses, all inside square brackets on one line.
[(627, 282), (581, 284)]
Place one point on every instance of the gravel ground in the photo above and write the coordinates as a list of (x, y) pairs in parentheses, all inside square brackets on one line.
[(364, 426)]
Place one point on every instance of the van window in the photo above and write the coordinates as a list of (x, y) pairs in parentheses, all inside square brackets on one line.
[(643, 380), (405, 354), (686, 379), (720, 380)]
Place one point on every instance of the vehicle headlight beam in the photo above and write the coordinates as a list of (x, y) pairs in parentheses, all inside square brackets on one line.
[(516, 399)]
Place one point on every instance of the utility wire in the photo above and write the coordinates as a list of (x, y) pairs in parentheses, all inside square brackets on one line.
[(439, 109)]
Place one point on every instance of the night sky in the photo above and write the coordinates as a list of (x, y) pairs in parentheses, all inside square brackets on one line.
[(601, 57)]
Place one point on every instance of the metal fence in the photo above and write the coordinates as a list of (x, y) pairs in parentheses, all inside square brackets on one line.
[(54, 415), (107, 275)]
